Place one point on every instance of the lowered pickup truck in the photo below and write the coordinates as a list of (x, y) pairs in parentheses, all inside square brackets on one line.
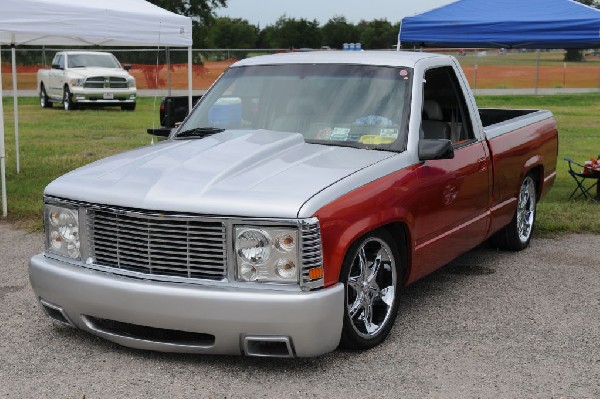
[(85, 78), (291, 207)]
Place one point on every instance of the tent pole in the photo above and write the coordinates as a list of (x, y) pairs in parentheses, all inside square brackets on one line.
[(537, 72), (15, 103), (168, 59), (2, 152), (189, 79)]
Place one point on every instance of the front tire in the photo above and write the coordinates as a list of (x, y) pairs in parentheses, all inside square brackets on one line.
[(68, 104), (516, 236), (44, 99), (372, 278)]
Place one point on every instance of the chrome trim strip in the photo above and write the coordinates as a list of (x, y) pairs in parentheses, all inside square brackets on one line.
[(550, 176), (503, 204), (452, 231)]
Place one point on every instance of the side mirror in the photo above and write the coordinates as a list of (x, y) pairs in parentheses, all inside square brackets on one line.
[(127, 67), (56, 66), (435, 149)]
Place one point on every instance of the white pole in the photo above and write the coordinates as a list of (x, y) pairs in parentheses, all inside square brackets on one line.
[(15, 104), (190, 79), (2, 154)]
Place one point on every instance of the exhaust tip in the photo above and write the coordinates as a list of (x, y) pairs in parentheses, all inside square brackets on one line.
[(268, 346), (56, 313)]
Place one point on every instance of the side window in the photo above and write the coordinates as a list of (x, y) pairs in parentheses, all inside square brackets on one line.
[(59, 60), (445, 114)]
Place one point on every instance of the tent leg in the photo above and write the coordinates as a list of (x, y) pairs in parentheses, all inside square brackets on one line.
[(2, 152), (15, 104), (537, 72), (190, 79), (168, 59)]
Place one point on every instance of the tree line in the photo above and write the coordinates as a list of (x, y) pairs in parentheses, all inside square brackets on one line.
[(296, 33)]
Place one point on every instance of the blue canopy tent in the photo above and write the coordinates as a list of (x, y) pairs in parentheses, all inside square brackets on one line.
[(534, 24)]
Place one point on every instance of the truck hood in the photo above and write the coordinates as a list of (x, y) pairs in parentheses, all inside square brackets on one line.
[(96, 71), (256, 173)]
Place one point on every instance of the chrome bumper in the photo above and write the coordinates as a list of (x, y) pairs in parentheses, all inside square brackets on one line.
[(97, 96), (309, 323)]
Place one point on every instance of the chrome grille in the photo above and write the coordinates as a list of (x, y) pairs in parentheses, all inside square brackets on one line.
[(311, 253), (101, 82), (158, 245)]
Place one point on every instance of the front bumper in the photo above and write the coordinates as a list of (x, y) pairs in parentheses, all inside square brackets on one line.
[(103, 96), (310, 321)]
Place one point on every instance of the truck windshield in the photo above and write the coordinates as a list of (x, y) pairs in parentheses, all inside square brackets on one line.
[(93, 60), (335, 104)]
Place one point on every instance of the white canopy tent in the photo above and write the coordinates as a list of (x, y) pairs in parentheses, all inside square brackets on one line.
[(86, 23)]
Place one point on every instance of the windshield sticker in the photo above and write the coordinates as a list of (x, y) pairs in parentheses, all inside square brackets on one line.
[(339, 134), (389, 133), (323, 134)]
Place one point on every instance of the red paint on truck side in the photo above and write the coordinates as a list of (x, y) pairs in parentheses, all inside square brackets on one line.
[(446, 207)]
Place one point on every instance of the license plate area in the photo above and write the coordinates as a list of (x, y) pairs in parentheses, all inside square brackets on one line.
[(108, 96)]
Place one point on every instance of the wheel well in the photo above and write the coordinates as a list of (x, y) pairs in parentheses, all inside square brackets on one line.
[(400, 233), (538, 176)]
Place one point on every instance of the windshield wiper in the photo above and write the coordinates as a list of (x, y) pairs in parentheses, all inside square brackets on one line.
[(199, 132)]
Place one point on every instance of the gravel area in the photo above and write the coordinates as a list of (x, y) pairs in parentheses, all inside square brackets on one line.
[(490, 324)]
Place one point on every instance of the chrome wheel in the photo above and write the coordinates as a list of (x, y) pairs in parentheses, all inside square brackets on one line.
[(517, 234), (526, 209), (67, 102), (44, 101), (371, 288)]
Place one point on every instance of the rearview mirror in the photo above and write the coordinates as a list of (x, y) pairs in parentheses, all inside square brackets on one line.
[(127, 67), (430, 149)]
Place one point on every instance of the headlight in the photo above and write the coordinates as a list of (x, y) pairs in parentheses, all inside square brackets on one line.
[(131, 81), (77, 82), (266, 254), (62, 231)]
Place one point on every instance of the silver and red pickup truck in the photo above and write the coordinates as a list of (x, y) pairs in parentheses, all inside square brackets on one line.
[(291, 207)]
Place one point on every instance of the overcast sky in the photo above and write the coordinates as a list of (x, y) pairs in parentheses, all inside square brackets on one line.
[(266, 12)]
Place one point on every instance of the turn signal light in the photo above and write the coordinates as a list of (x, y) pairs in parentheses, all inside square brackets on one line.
[(315, 273)]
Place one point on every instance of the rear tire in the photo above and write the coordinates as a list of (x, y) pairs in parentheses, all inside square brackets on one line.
[(44, 100), (372, 276), (516, 236)]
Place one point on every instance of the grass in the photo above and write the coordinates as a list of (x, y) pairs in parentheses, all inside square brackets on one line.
[(54, 142)]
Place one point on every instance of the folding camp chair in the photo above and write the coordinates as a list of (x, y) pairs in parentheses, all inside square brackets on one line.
[(586, 179)]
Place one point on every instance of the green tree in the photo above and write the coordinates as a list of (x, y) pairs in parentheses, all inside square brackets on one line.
[(338, 31), (378, 34), (292, 33), (232, 33)]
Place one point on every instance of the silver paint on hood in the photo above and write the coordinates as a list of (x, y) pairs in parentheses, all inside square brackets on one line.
[(235, 173)]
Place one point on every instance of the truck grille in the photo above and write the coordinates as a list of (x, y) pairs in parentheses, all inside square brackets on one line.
[(158, 245), (105, 82), (311, 253)]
